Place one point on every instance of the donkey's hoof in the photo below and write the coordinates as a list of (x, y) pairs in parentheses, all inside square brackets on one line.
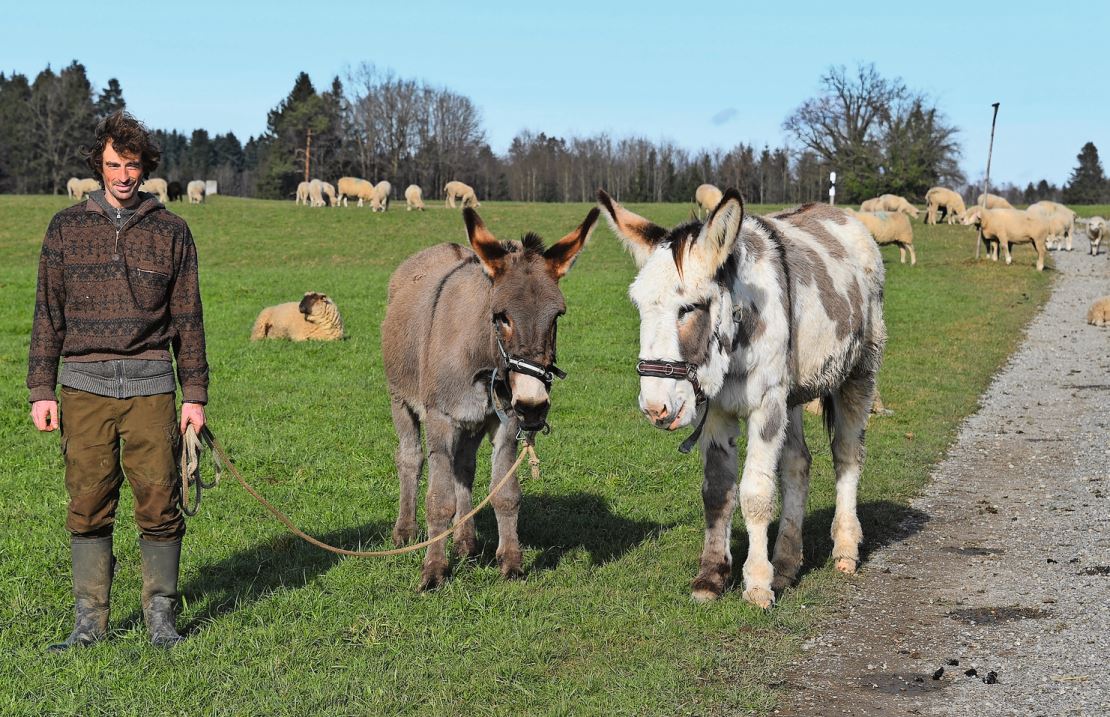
[(511, 562), (703, 595), (760, 597), (432, 578), (465, 547), (780, 583), (846, 566), (710, 583), (403, 534)]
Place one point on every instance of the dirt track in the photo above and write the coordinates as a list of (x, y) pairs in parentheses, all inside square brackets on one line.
[(1004, 567)]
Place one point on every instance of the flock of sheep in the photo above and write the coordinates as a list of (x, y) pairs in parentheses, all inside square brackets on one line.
[(312, 194), (78, 189)]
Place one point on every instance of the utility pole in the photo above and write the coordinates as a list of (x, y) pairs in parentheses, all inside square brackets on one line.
[(308, 153), (986, 181)]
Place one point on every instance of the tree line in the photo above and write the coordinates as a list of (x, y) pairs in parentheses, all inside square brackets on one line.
[(879, 136)]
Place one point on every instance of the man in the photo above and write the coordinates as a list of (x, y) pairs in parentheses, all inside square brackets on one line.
[(117, 289)]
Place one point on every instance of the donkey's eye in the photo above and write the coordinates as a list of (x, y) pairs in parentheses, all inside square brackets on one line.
[(501, 320), (682, 312)]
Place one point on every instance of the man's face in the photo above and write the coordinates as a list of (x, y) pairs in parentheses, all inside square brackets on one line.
[(123, 173)]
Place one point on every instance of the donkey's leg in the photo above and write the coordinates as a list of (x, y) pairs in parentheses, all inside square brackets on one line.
[(506, 501), (410, 462), (718, 495), (794, 471), (442, 437), (766, 433), (851, 404), (465, 458)]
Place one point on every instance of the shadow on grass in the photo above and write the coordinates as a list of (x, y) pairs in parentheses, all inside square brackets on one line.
[(883, 522), (283, 561), (561, 524)]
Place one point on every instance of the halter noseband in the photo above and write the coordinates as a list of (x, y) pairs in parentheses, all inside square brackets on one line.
[(515, 364)]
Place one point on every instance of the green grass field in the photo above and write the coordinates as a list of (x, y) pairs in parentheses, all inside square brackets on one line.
[(602, 623)]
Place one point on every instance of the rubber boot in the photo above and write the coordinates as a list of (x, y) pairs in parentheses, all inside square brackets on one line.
[(160, 596), (93, 564)]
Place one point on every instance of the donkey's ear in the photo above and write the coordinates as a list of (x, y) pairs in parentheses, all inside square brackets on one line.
[(639, 235), (484, 244), (560, 257), (722, 228)]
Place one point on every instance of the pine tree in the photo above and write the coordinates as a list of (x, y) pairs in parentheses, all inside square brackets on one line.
[(110, 100), (1087, 184)]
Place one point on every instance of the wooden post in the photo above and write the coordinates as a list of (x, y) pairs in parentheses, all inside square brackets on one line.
[(986, 181), (308, 152)]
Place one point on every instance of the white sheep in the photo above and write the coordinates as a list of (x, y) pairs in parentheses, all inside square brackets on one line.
[(894, 203), (195, 190), (890, 228), (329, 191), (994, 202), (348, 187), (708, 197), (313, 318), (1013, 226), (1099, 313), (302, 194), (463, 191), (83, 187), (156, 185), (316, 193), (71, 187), (943, 199), (1096, 230), (1061, 221), (414, 198), (382, 190), (871, 205)]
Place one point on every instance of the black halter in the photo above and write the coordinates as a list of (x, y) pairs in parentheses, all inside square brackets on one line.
[(497, 385)]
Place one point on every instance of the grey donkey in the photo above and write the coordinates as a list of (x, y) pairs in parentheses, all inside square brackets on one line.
[(468, 344), (747, 317)]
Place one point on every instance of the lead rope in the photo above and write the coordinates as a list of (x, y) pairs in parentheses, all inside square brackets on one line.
[(221, 459)]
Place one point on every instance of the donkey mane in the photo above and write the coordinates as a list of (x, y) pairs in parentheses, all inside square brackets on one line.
[(680, 239)]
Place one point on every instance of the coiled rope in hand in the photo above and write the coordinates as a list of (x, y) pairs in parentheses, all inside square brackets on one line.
[(190, 459)]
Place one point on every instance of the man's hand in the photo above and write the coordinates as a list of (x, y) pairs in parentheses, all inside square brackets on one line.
[(192, 413), (45, 415)]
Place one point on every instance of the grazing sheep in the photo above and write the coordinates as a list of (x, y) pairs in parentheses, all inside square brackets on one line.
[(1012, 226), (173, 191), (195, 190), (708, 197), (382, 190), (348, 187), (71, 187), (329, 191), (994, 202), (871, 205), (942, 202), (158, 186), (302, 194), (889, 228), (316, 193), (1099, 313), (894, 203), (414, 198), (463, 192), (1096, 230), (313, 318), (1061, 221), (83, 187)]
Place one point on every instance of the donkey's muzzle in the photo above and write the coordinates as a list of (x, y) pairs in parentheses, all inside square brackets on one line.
[(531, 416)]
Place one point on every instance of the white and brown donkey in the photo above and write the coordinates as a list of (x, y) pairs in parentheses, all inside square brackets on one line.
[(464, 333), (751, 317)]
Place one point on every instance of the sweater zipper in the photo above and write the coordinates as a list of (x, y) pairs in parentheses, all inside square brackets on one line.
[(115, 248)]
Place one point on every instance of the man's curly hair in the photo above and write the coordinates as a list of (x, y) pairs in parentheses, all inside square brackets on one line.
[(128, 136)]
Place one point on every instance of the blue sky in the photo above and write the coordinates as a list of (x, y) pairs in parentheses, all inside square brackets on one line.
[(699, 74)]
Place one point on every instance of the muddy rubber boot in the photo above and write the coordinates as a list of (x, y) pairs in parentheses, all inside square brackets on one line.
[(93, 564), (160, 565)]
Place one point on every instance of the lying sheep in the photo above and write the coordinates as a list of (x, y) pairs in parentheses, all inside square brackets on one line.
[(708, 197), (313, 318), (195, 190), (382, 190), (1061, 222), (889, 228), (894, 203), (994, 202), (871, 205), (1013, 226), (302, 194), (414, 198), (1099, 313), (1096, 230), (942, 202), (348, 187), (83, 187), (158, 186), (463, 192)]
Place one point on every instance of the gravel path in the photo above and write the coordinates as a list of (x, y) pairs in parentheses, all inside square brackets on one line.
[(1008, 575)]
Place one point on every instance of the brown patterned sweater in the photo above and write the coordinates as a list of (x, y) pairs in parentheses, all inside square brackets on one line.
[(105, 295)]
